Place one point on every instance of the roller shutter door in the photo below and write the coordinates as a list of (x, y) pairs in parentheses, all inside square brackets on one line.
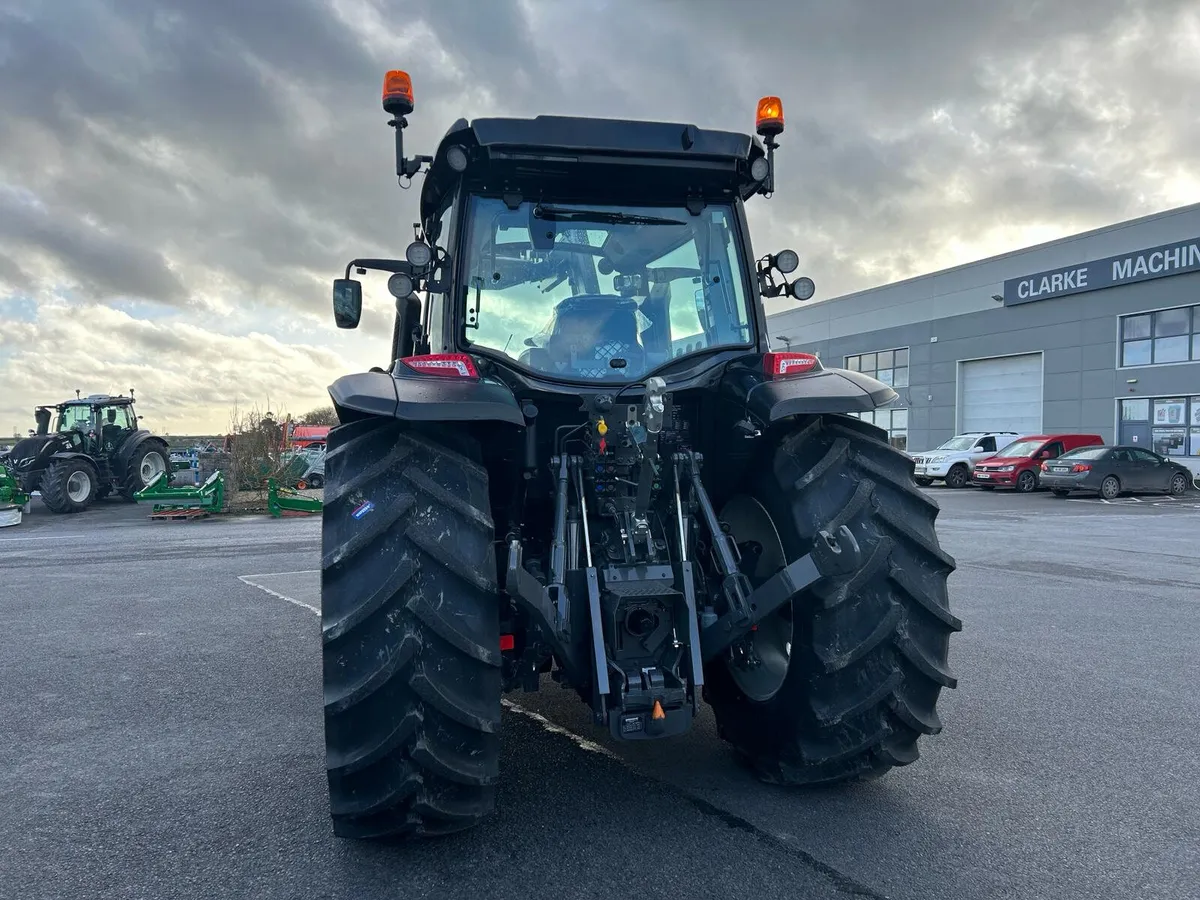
[(1001, 394)]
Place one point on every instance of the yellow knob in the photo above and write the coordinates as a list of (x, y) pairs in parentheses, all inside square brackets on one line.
[(601, 427)]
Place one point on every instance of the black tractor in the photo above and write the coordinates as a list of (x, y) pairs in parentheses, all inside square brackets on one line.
[(96, 449), (584, 461)]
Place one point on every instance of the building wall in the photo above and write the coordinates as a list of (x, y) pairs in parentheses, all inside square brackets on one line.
[(951, 316)]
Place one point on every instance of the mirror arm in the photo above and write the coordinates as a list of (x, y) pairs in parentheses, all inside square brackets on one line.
[(380, 265)]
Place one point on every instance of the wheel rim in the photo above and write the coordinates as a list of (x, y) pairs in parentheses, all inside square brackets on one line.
[(79, 486), (152, 466), (749, 521), (1110, 488), (956, 477), (1025, 481), (1178, 484)]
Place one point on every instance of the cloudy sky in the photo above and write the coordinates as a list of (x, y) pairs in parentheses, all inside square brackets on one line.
[(181, 179)]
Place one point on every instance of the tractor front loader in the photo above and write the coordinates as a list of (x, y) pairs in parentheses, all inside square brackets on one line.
[(584, 460)]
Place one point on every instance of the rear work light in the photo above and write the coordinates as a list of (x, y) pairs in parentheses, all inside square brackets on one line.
[(780, 365), (449, 365)]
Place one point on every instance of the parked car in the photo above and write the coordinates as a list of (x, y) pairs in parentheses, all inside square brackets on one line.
[(1110, 471), (952, 461), (1019, 464)]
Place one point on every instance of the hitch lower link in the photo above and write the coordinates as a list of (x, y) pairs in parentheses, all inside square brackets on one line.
[(832, 555)]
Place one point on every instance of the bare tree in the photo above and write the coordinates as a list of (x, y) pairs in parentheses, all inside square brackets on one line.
[(322, 415)]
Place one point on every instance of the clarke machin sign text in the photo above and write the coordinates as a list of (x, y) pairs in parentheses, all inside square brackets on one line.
[(1155, 262)]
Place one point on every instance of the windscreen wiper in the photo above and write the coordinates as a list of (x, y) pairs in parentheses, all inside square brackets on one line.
[(605, 217)]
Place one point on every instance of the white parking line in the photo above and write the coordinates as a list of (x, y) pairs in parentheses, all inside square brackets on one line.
[(581, 742), (245, 580), (276, 574)]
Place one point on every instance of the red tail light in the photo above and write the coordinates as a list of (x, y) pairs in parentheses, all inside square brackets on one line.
[(779, 365), (449, 365), (1081, 467), (1045, 468), (506, 642)]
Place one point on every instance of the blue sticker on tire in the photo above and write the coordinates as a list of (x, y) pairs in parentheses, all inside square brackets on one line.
[(362, 509)]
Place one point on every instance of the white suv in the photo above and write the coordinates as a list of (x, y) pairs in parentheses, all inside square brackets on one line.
[(953, 461)]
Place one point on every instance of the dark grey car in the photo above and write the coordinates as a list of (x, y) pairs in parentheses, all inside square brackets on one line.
[(1109, 471)]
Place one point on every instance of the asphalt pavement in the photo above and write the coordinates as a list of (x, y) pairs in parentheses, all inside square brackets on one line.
[(163, 710)]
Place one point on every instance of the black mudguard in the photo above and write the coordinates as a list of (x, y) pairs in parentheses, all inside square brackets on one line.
[(131, 445), (767, 400), (29, 457), (424, 398), (71, 454)]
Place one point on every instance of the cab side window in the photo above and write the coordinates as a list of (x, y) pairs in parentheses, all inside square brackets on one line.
[(121, 418), (987, 445), (1054, 450)]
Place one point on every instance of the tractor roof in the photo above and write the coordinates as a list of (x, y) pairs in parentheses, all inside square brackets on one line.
[(95, 400), (565, 155)]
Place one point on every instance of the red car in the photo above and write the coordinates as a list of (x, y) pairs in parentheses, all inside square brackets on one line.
[(1017, 465)]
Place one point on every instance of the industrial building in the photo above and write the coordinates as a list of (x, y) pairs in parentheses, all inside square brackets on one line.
[(1098, 332)]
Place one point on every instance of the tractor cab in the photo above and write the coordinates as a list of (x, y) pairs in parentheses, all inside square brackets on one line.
[(565, 250), (97, 423)]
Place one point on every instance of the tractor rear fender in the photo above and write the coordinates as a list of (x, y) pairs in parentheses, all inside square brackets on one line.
[(131, 445), (424, 398), (767, 400)]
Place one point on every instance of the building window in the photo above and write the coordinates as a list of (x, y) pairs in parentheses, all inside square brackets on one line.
[(1173, 423), (889, 366), (1166, 336), (1135, 410), (893, 421)]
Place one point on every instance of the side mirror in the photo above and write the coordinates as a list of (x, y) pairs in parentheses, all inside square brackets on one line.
[(347, 302)]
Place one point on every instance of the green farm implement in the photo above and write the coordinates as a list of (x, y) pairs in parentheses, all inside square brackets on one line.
[(183, 502), (283, 501), (13, 500)]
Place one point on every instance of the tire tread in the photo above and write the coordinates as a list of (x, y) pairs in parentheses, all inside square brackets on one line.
[(869, 648), (410, 634)]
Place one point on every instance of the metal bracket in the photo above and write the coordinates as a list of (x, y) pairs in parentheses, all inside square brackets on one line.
[(532, 596), (831, 556)]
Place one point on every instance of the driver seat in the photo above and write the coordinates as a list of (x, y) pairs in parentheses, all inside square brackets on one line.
[(613, 335)]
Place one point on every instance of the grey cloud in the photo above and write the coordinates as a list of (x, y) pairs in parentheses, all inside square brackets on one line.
[(115, 263), (13, 276), (265, 192)]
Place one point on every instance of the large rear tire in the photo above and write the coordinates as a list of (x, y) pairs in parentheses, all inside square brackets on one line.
[(149, 460), (411, 632), (69, 485), (865, 655)]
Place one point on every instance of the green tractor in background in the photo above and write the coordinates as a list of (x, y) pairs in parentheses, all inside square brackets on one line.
[(96, 449)]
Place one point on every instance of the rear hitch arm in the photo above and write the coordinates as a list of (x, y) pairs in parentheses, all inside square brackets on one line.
[(831, 556), (734, 584)]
